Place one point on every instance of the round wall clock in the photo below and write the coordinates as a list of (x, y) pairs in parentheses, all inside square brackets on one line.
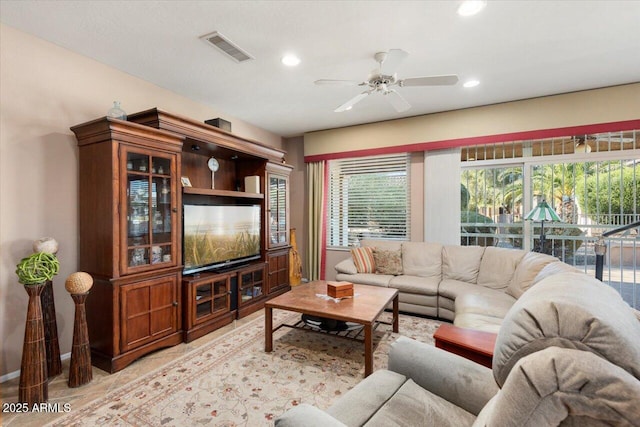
[(213, 165)]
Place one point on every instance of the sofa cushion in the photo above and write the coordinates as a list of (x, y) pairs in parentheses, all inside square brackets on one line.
[(461, 262), (527, 270), (453, 289), (480, 322), (412, 405), (496, 304), (570, 310), (363, 260), (366, 279), (485, 413), (559, 386), (388, 262), (415, 285), (458, 380), (483, 312), (362, 401), (425, 305), (498, 266), (307, 416), (422, 259), (554, 268), (446, 308), (346, 266)]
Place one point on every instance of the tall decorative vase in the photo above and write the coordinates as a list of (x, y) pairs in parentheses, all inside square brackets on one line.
[(80, 371), (295, 263), (54, 363), (52, 347), (33, 386)]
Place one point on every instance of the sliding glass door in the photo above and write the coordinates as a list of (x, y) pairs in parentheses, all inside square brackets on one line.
[(592, 190)]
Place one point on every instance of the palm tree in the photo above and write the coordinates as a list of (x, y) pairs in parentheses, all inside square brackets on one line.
[(557, 183)]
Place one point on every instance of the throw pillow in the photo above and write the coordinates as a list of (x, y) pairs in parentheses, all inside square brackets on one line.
[(388, 262), (363, 259)]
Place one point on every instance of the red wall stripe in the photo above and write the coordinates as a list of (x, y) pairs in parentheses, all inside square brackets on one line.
[(479, 140)]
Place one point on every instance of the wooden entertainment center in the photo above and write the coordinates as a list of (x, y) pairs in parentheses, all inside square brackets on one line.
[(131, 231)]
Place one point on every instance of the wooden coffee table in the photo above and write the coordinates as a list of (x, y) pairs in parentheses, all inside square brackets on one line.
[(364, 308)]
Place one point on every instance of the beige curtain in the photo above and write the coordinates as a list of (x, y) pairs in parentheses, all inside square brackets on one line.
[(315, 242)]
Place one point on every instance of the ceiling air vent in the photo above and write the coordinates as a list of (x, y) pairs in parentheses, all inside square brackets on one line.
[(226, 46)]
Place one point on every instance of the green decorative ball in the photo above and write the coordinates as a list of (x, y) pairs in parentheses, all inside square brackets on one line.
[(37, 268)]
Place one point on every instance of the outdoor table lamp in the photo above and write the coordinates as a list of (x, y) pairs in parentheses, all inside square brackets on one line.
[(542, 212)]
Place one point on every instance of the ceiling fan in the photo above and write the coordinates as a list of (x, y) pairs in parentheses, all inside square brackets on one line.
[(383, 78)]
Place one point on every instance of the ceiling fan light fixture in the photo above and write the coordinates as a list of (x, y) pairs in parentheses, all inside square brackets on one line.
[(471, 7), (471, 83), (290, 60), (383, 79)]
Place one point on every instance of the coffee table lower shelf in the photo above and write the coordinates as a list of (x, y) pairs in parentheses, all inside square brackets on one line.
[(353, 333), (364, 309)]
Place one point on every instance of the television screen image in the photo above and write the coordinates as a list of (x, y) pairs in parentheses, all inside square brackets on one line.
[(220, 235)]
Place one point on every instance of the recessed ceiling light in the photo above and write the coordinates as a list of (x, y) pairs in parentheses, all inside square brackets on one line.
[(471, 83), (471, 7), (290, 60)]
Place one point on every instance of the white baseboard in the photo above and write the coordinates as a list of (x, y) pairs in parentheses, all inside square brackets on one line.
[(16, 374)]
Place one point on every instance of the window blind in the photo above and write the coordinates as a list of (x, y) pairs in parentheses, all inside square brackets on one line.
[(368, 198)]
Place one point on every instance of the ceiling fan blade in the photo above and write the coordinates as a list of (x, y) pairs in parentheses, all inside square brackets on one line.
[(397, 101), (393, 59), (353, 101), (337, 82), (446, 80)]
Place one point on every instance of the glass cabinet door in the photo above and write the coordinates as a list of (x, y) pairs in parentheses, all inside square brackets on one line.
[(278, 226), (251, 284), (150, 204), (211, 297)]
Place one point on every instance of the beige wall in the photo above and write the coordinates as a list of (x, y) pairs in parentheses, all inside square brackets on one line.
[(298, 205), (606, 105), (45, 89)]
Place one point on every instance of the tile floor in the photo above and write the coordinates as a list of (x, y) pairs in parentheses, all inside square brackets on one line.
[(102, 382)]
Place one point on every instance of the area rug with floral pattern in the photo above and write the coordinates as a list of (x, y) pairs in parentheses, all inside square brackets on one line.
[(231, 381)]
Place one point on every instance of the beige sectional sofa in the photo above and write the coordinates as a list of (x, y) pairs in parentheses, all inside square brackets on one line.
[(472, 286), (567, 354)]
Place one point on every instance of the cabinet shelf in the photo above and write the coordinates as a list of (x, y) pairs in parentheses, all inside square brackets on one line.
[(223, 193)]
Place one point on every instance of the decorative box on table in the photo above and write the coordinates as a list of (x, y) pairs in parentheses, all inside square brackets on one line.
[(340, 289)]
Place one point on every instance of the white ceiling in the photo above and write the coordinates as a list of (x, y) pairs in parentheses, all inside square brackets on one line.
[(517, 49)]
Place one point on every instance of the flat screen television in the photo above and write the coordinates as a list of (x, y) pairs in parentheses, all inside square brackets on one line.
[(217, 236)]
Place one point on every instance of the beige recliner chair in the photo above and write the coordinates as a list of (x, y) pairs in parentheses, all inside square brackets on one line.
[(568, 353)]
